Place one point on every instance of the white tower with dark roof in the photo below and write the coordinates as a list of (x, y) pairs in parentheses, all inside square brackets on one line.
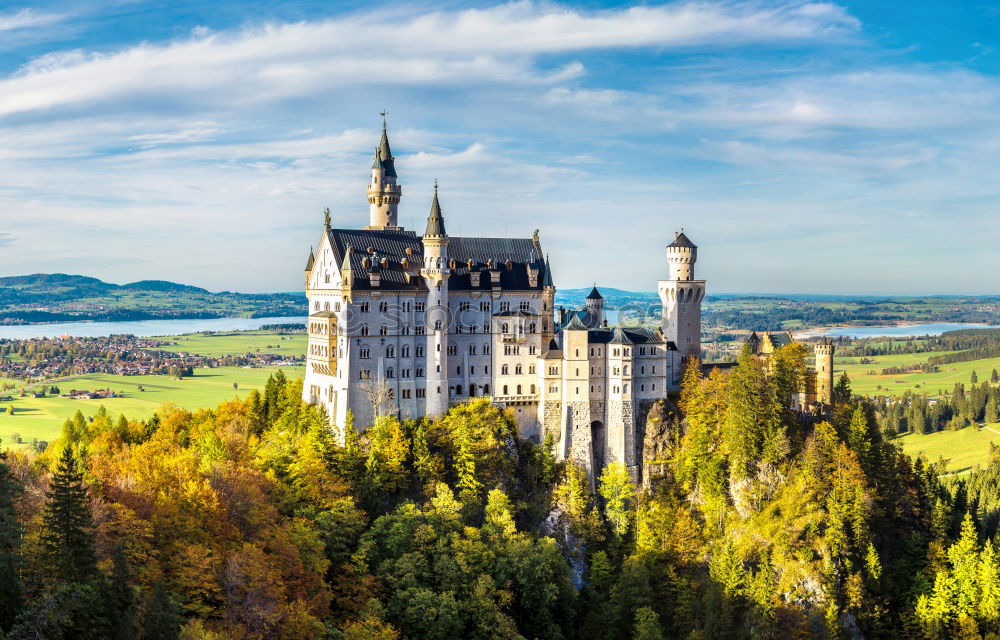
[(436, 273), (681, 296), (595, 307), (383, 192)]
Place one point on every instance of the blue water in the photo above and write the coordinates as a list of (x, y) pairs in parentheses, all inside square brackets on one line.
[(140, 328), (934, 329)]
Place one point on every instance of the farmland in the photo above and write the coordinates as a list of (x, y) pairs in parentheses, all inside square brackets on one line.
[(42, 418), (898, 383)]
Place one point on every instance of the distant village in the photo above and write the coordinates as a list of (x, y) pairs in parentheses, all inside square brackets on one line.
[(40, 359)]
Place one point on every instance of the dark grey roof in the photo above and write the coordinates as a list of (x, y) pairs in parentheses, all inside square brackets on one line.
[(583, 317), (517, 313), (435, 223), (392, 245), (385, 154), (636, 335), (595, 294), (574, 324), (521, 252), (681, 240)]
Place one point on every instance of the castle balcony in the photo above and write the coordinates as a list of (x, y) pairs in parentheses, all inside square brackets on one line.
[(512, 338)]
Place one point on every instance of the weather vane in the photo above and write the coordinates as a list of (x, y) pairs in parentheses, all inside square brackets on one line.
[(383, 113)]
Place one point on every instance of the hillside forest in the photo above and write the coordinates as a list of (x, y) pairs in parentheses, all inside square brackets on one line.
[(250, 521)]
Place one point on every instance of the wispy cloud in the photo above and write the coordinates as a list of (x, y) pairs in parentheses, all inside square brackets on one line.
[(25, 19)]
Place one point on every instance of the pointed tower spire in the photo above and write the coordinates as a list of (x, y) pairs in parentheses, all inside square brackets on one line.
[(311, 260), (435, 222), (385, 153)]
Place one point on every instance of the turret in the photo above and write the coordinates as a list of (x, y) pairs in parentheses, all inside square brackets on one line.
[(437, 318), (824, 371), (595, 307), (383, 192), (681, 256)]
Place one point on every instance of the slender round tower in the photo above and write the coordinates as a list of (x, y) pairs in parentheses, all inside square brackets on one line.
[(824, 371), (437, 317), (383, 192), (595, 307)]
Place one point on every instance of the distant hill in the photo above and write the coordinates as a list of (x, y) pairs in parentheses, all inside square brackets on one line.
[(60, 297), (162, 285)]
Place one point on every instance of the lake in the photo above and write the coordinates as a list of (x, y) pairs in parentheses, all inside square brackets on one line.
[(898, 331), (142, 328)]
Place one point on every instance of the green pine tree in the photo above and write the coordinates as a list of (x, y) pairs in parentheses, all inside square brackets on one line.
[(10, 544), (67, 539), (647, 625), (162, 618), (121, 603)]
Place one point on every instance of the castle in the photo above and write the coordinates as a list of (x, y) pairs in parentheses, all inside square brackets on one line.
[(411, 324)]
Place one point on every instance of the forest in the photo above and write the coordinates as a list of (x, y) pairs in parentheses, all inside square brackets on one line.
[(250, 521)]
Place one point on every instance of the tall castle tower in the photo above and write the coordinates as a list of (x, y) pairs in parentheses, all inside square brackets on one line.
[(824, 371), (681, 296), (435, 274), (383, 192)]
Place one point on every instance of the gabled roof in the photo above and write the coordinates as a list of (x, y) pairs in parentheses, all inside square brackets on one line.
[(595, 294), (681, 240), (630, 335), (392, 244)]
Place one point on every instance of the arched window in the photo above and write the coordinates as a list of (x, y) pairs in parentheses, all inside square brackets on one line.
[(486, 389), (472, 391), (505, 390), (517, 369), (518, 389), (532, 387), (458, 389), (383, 330), (531, 328), (389, 373), (390, 352), (364, 329), (504, 370), (326, 306)]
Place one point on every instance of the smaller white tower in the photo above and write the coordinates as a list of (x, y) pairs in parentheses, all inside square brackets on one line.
[(681, 297), (436, 317), (383, 192), (595, 307), (824, 371)]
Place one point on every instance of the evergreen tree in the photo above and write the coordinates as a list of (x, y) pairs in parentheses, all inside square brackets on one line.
[(647, 625), (618, 493), (975, 378), (10, 543), (67, 539), (995, 377), (162, 617), (121, 603), (992, 412), (842, 390)]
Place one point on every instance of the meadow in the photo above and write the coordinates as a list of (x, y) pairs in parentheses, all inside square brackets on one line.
[(238, 342), (962, 450), (42, 418), (897, 384)]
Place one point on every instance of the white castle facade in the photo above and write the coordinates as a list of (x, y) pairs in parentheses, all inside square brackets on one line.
[(411, 324)]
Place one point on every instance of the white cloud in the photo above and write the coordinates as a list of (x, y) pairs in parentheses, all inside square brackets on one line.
[(25, 19), (497, 44)]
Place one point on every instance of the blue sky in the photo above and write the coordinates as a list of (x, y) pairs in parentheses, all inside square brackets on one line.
[(805, 146)]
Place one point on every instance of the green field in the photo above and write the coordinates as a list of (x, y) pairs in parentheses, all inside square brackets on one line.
[(42, 418), (897, 384), (962, 449), (238, 342)]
